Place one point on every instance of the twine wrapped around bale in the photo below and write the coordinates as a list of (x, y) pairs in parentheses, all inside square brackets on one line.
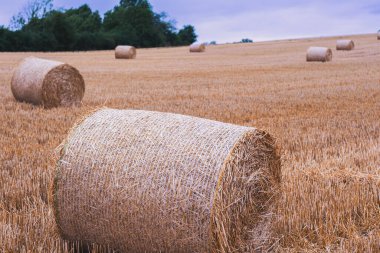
[(345, 45), (125, 52), (48, 83), (140, 181), (322, 54), (197, 48)]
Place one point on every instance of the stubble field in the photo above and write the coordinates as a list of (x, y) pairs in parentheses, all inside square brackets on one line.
[(325, 116)]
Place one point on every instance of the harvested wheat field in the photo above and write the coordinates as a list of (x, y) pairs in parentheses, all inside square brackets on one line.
[(325, 117)]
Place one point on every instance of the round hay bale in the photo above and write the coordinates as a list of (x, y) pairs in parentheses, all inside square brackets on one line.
[(378, 35), (48, 83), (125, 52), (140, 181), (197, 48), (322, 54), (345, 45)]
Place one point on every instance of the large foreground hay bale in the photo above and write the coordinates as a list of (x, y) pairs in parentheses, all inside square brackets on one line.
[(197, 48), (322, 54), (141, 181), (345, 45), (48, 83), (125, 52)]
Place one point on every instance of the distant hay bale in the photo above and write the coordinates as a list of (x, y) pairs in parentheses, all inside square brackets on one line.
[(48, 83), (345, 45), (140, 181), (197, 48), (378, 35), (322, 54), (125, 52)]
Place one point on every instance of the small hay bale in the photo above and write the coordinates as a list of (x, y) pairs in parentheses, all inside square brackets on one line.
[(378, 35), (125, 52), (197, 48), (48, 83), (322, 54), (140, 181), (345, 45)]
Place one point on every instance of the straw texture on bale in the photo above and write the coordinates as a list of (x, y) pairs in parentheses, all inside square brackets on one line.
[(140, 181), (125, 52), (322, 54), (48, 83), (197, 48), (345, 45)]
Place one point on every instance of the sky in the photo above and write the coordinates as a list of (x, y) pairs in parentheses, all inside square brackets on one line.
[(231, 20)]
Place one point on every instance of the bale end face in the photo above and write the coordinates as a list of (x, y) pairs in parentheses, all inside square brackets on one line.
[(63, 86), (246, 196)]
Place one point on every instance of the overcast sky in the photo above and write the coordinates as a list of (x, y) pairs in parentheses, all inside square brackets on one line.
[(232, 20)]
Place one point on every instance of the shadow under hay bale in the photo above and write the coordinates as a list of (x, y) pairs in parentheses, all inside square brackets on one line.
[(48, 83), (321, 54), (345, 45), (125, 52), (143, 181), (197, 48)]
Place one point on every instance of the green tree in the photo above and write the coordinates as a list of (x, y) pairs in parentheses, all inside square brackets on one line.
[(84, 20), (186, 35), (246, 40), (133, 22), (5, 42), (59, 25), (135, 3), (39, 28)]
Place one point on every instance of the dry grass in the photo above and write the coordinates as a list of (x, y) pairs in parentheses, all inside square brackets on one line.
[(324, 115)]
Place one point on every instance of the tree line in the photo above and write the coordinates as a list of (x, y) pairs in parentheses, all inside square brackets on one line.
[(39, 27)]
